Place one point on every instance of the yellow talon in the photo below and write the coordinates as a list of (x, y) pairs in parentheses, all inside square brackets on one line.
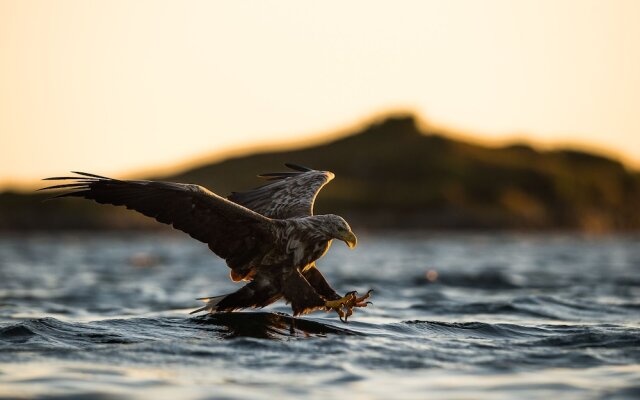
[(360, 301), (337, 305), (333, 304), (344, 306)]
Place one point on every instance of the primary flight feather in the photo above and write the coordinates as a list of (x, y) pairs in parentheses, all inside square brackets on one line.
[(268, 236)]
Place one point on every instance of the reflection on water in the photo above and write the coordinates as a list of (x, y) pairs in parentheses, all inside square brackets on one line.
[(471, 316), (264, 325)]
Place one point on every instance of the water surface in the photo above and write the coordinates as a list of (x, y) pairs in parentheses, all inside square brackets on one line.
[(454, 316)]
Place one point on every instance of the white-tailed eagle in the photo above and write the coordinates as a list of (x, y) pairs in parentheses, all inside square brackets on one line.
[(268, 236)]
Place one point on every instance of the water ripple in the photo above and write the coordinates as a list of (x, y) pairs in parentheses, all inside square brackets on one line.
[(468, 317)]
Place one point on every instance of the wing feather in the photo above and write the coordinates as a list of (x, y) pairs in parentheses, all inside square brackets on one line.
[(233, 232), (289, 195)]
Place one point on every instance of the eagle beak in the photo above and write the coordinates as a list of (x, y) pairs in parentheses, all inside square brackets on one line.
[(351, 240)]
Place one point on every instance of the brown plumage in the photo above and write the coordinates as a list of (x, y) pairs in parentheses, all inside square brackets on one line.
[(268, 236)]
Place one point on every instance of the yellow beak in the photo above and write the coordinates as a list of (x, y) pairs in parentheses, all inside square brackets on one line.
[(350, 239)]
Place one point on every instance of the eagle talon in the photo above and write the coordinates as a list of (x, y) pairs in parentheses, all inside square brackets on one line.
[(341, 315), (360, 301), (348, 314), (344, 306), (341, 304), (363, 298)]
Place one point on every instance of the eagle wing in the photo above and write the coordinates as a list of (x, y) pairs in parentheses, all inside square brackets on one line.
[(289, 195), (233, 232)]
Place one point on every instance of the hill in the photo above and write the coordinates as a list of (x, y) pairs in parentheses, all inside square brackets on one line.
[(393, 175)]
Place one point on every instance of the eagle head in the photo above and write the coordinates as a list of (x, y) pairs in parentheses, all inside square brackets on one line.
[(339, 229)]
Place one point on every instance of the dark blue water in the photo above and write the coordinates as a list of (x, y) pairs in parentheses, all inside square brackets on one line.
[(454, 316)]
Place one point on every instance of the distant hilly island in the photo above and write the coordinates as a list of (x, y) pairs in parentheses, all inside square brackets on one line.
[(394, 175)]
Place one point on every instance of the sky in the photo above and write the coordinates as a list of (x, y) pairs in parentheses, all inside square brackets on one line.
[(120, 87)]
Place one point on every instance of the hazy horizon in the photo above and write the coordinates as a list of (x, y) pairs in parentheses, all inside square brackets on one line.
[(118, 87)]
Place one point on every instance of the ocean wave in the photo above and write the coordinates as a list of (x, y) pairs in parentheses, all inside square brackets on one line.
[(52, 333), (487, 279), (506, 315), (557, 308)]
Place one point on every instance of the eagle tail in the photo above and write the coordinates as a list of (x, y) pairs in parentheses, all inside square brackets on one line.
[(212, 303), (256, 294)]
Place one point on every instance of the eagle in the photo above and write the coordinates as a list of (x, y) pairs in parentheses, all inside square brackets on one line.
[(268, 236)]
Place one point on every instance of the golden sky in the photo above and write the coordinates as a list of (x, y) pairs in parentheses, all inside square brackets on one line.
[(117, 86)]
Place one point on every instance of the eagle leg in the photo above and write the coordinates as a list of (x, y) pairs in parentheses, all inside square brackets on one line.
[(302, 296), (319, 283)]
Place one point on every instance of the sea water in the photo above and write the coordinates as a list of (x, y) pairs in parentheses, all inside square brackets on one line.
[(470, 316)]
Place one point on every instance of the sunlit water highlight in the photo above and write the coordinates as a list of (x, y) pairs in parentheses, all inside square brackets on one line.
[(463, 316)]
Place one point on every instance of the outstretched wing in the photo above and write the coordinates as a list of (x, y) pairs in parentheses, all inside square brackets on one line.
[(233, 232), (291, 194)]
